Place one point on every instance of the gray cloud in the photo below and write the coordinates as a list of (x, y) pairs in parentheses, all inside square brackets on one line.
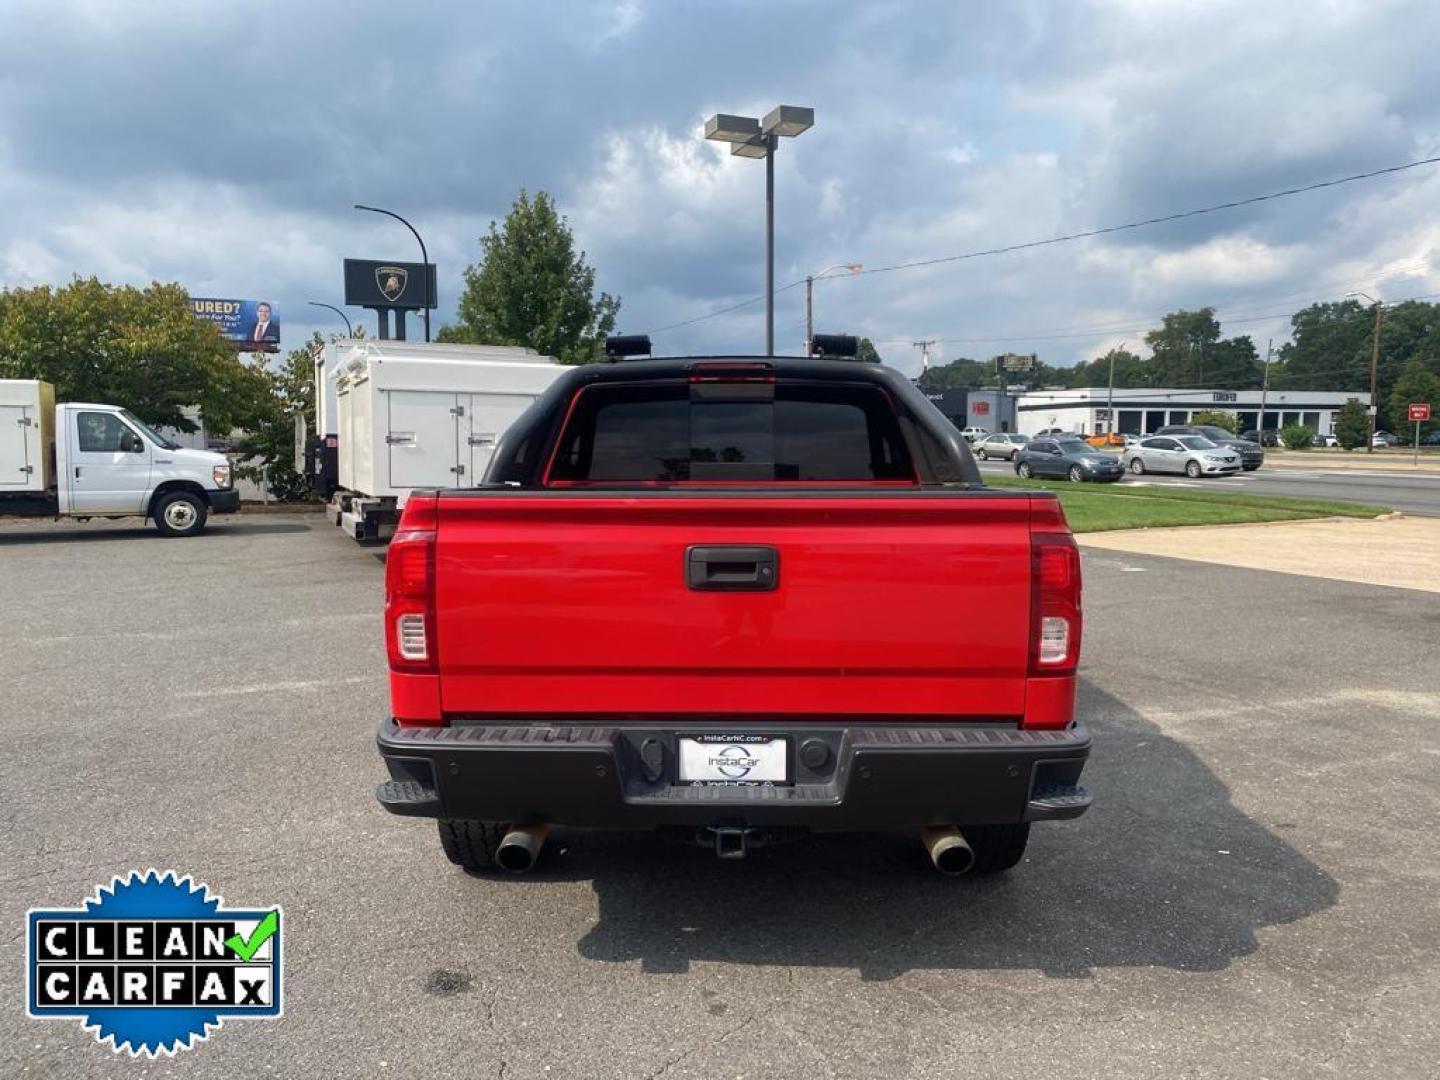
[(222, 145)]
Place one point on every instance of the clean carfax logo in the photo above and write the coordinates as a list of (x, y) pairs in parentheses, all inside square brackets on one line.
[(151, 963)]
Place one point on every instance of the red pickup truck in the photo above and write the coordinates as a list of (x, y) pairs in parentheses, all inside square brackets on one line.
[(735, 599)]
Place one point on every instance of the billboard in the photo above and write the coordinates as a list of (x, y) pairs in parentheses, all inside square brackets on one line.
[(251, 325), (377, 284)]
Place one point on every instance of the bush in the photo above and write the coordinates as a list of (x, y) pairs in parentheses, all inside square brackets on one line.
[(1297, 437), (1352, 425), (1218, 418)]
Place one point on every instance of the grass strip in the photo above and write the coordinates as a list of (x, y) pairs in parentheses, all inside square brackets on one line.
[(1101, 507)]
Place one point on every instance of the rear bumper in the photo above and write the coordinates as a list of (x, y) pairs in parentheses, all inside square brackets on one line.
[(623, 776), (223, 500)]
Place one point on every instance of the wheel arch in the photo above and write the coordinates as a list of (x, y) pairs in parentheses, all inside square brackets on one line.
[(169, 486)]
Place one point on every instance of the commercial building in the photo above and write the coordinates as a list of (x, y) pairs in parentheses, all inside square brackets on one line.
[(1142, 411), (993, 410)]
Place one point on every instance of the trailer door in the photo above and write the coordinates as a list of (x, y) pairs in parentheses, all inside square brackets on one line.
[(486, 418), (16, 468), (422, 438)]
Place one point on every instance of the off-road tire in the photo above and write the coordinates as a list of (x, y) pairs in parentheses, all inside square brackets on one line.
[(997, 847), (180, 513), (471, 844)]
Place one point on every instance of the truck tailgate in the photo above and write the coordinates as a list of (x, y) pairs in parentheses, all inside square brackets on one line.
[(884, 604)]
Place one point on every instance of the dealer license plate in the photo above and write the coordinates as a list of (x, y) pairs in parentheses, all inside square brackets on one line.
[(734, 759)]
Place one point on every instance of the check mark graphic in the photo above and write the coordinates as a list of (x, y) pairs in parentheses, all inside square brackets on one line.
[(246, 948)]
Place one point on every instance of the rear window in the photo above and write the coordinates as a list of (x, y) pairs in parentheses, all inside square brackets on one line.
[(627, 433)]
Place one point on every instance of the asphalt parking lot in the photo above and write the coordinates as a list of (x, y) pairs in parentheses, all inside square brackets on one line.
[(1253, 894)]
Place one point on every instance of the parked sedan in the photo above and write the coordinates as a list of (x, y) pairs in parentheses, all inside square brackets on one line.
[(1002, 445), (1251, 455), (1072, 458), (1193, 455)]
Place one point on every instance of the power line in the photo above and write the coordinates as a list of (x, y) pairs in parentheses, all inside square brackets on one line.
[(1069, 237)]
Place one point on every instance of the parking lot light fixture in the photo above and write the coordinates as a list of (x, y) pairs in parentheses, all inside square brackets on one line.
[(752, 138)]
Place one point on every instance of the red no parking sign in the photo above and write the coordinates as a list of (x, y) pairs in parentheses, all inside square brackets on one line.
[(1419, 413)]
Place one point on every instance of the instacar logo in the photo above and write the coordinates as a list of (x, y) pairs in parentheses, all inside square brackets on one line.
[(152, 963)]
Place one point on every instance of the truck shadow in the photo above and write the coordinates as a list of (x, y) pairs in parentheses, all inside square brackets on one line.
[(1163, 871), (86, 533)]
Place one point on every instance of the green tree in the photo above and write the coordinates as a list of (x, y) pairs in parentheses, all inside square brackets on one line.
[(1416, 385), (267, 447), (1178, 349), (1329, 348), (962, 373), (1217, 418), (139, 348), (866, 351), (532, 288), (1352, 424), (1130, 371)]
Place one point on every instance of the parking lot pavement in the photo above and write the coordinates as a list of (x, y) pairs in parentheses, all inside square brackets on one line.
[(1251, 896)]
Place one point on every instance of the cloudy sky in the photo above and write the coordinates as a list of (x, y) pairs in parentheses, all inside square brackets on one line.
[(222, 145)]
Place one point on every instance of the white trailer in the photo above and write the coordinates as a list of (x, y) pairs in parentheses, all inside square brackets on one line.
[(410, 415), (82, 460)]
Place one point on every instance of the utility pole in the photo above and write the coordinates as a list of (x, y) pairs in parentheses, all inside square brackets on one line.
[(924, 347), (809, 311), (1374, 367), (1110, 398), (1264, 393)]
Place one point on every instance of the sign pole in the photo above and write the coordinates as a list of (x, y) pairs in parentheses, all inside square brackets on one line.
[(1415, 457)]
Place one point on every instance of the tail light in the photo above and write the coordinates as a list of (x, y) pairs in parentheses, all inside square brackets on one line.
[(1055, 620), (732, 371), (1055, 604), (410, 638)]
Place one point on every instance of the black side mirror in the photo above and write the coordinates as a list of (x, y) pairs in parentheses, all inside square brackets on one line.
[(132, 443)]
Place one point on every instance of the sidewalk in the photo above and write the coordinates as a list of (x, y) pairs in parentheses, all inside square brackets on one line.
[(1355, 459), (1397, 552)]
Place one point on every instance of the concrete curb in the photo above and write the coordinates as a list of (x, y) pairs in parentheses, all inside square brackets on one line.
[(282, 508)]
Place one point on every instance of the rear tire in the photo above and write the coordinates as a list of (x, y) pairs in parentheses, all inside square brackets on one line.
[(1137, 466), (180, 513), (1192, 470), (471, 844), (997, 847), (1024, 471), (982, 454)]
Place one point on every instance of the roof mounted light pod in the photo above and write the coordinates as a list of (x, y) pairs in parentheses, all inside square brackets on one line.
[(621, 346)]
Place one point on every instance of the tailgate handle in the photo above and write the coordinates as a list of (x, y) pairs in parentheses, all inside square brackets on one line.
[(728, 568)]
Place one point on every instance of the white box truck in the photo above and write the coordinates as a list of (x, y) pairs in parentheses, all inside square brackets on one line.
[(410, 415), (82, 460)]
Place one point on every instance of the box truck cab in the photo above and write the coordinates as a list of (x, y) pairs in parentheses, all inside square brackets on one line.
[(88, 460)]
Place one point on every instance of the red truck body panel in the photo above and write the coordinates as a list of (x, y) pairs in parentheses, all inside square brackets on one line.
[(886, 604)]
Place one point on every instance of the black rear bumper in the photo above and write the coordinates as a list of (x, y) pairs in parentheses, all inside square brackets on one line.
[(623, 776)]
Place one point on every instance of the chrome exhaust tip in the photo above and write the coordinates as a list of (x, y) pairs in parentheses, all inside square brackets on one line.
[(949, 851), (520, 847)]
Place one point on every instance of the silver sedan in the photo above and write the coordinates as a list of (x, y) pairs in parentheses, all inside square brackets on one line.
[(1000, 445), (1193, 455)]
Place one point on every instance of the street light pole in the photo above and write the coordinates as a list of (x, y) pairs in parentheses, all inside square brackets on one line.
[(770, 245), (853, 267), (749, 137), (424, 261), (349, 330)]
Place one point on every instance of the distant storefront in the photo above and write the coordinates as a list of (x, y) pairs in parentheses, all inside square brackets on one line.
[(989, 409), (1140, 412)]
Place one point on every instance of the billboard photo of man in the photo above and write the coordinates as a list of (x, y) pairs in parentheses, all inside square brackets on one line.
[(264, 328)]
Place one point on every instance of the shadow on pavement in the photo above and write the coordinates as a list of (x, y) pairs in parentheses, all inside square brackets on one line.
[(1164, 870), (79, 534)]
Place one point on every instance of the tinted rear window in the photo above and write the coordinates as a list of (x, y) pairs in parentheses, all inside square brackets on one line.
[(658, 434)]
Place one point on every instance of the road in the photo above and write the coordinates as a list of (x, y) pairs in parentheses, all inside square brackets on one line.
[(1252, 894), (1413, 493)]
